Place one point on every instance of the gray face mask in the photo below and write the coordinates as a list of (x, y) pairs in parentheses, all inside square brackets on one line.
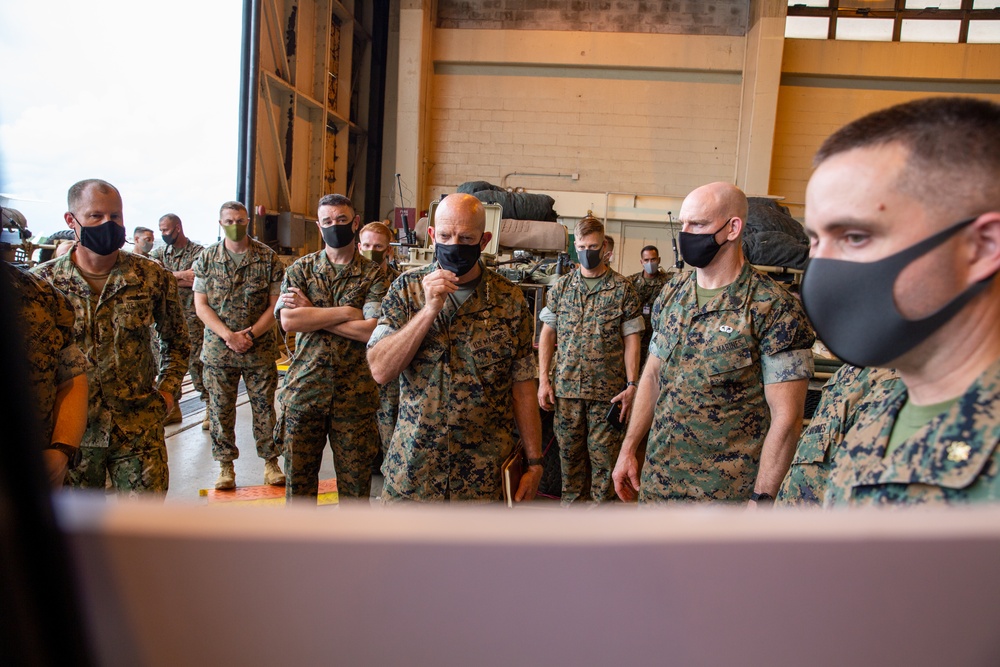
[(651, 267), (853, 310), (589, 259)]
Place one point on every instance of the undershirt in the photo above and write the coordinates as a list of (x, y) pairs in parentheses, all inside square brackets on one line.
[(912, 418)]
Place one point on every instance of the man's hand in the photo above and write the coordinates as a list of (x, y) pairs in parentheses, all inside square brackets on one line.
[(56, 465), (546, 397), (626, 397), (528, 487), (168, 399), (437, 286), (626, 477), (295, 298), (184, 278), (239, 341)]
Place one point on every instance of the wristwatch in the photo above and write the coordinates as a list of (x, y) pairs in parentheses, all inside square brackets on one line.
[(72, 453), (534, 462), (631, 383), (250, 335), (762, 498)]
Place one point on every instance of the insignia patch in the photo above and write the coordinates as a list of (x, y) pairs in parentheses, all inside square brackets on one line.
[(958, 451), (725, 328)]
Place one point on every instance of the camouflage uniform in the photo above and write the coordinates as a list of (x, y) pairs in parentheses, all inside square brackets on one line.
[(951, 460), (181, 259), (46, 317), (456, 416), (328, 390), (588, 370), (388, 394), (124, 423), (647, 289), (239, 295), (850, 392), (711, 416)]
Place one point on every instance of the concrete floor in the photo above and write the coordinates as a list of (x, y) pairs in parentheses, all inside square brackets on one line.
[(189, 451)]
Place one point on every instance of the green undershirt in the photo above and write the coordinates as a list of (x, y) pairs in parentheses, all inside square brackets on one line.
[(912, 418), (705, 294)]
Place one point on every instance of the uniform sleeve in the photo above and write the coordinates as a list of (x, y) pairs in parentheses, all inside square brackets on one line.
[(786, 327), (632, 321), (293, 278), (394, 313), (277, 275), (786, 366), (524, 367), (200, 269), (171, 327), (377, 290), (72, 361), (658, 342), (549, 312)]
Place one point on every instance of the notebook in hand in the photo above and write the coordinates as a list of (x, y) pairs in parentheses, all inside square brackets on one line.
[(511, 472)]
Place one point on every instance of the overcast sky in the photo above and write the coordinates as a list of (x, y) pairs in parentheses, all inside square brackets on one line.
[(143, 95)]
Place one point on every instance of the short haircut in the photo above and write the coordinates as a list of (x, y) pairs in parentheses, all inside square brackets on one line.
[(953, 145), (232, 206), (610, 240), (336, 200), (142, 230), (588, 225), (649, 248), (377, 228), (174, 218), (77, 190)]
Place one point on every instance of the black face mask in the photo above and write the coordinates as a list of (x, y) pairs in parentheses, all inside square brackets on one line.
[(169, 239), (699, 250), (853, 311), (338, 236), (459, 258), (590, 259), (102, 239)]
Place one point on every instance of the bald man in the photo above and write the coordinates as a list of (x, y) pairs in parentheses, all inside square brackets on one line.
[(458, 337), (725, 383)]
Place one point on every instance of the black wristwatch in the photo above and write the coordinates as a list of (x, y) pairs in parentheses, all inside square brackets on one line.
[(631, 383), (534, 462), (72, 453), (762, 498), (251, 336)]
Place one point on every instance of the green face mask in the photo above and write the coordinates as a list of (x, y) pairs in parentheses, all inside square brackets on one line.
[(235, 233), (374, 255)]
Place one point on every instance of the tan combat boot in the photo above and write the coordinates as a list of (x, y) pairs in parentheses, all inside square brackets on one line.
[(174, 416), (227, 476), (206, 424), (273, 474)]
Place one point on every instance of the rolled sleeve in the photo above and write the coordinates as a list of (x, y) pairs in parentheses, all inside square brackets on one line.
[(372, 310), (786, 366), (380, 332), (548, 317), (633, 326), (524, 369)]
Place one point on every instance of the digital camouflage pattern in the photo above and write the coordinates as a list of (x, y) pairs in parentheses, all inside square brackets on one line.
[(46, 318), (647, 289), (239, 295), (388, 394), (181, 259), (588, 370), (456, 416), (328, 390), (711, 416), (113, 330), (589, 360), (850, 392), (954, 459)]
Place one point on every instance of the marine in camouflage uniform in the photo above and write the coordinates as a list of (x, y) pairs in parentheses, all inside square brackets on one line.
[(124, 435), (711, 416), (46, 318), (849, 393), (648, 289), (328, 390), (953, 459), (388, 393), (456, 409), (182, 259), (591, 326), (239, 294)]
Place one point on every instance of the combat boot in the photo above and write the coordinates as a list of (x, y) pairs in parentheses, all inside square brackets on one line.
[(206, 424), (174, 416), (273, 474), (227, 476)]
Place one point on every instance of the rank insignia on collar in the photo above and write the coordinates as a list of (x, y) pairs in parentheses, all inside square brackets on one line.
[(725, 328), (958, 451)]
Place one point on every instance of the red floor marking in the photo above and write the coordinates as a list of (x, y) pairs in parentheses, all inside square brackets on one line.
[(265, 494)]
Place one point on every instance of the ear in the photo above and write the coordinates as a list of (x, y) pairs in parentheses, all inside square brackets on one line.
[(736, 228), (486, 240), (68, 217), (430, 234), (984, 260), (356, 223)]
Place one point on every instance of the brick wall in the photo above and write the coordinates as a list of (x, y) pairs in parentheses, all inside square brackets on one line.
[(688, 17)]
